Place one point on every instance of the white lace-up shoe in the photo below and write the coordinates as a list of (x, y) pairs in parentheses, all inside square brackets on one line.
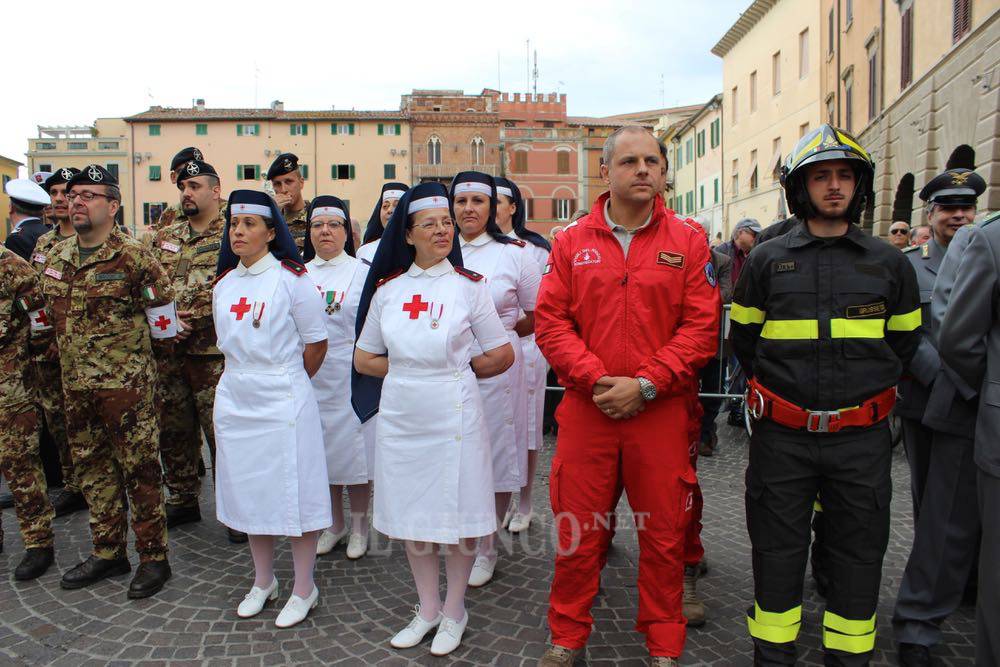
[(296, 609), (415, 632), (357, 546), (328, 540), (520, 522), (449, 635), (254, 601), (482, 571)]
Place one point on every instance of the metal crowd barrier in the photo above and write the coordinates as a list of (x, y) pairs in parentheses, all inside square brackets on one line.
[(727, 374)]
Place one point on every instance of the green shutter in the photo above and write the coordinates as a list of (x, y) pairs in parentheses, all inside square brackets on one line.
[(256, 129), (201, 129), (256, 171), (399, 128), (154, 130), (292, 128), (154, 172), (333, 128), (351, 170), (239, 129), (305, 129), (333, 171), (239, 172), (350, 128), (715, 190), (304, 170), (381, 129)]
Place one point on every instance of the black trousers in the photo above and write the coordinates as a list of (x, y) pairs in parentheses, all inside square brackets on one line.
[(850, 471)]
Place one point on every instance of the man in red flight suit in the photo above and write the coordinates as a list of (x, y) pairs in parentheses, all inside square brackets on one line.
[(627, 313)]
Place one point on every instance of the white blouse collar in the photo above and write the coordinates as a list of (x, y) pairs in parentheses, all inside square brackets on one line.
[(480, 240), (258, 267), (342, 258), (439, 269)]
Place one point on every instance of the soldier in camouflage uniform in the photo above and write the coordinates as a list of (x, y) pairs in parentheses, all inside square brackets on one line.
[(107, 296), (21, 312), (286, 178), (174, 213), (48, 375), (190, 370)]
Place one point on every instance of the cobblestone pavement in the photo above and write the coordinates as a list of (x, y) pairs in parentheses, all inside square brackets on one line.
[(193, 621)]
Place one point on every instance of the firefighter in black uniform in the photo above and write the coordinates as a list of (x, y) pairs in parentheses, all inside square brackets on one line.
[(824, 319)]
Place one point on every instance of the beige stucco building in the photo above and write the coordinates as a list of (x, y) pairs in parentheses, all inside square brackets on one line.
[(8, 172), (106, 143), (771, 97), (913, 79), (349, 154)]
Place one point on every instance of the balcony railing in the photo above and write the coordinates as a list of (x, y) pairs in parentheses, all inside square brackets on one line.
[(448, 170)]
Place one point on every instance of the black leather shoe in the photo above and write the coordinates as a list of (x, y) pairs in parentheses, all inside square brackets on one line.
[(92, 570), (236, 537), (914, 655), (179, 515), (35, 563), (149, 579), (6, 500), (66, 502)]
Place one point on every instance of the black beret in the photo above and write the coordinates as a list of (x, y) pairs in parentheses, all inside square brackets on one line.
[(186, 155), (60, 176), (92, 174), (954, 187), (285, 163), (196, 168)]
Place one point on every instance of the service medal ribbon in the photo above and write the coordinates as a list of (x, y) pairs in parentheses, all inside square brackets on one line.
[(258, 312)]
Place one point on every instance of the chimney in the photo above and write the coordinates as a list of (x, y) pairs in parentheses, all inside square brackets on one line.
[(277, 105), (199, 104)]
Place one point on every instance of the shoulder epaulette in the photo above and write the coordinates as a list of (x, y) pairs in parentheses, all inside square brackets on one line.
[(221, 276), (382, 281), (471, 275), (294, 267), (518, 242), (910, 248)]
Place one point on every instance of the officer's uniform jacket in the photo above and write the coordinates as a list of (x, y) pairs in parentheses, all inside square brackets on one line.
[(915, 385)]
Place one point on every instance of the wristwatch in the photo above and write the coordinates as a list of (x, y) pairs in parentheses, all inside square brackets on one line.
[(647, 389)]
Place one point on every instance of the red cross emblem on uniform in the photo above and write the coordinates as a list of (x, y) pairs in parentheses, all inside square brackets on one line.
[(241, 308), (415, 307), (42, 319), (162, 323)]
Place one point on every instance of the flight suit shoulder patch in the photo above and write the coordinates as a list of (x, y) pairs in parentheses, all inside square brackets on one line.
[(382, 281), (294, 267), (471, 275)]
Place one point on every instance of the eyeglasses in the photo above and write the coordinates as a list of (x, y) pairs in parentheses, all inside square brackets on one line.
[(898, 231), (320, 224), (85, 195), (433, 225)]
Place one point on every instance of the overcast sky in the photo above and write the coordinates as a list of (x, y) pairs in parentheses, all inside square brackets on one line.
[(73, 63)]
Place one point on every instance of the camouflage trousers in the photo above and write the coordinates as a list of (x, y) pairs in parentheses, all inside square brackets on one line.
[(48, 376), (21, 466), (114, 437), (185, 393)]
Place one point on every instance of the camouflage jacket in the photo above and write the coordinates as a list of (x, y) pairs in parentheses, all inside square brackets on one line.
[(298, 226), (43, 246), (20, 306), (98, 310), (190, 263)]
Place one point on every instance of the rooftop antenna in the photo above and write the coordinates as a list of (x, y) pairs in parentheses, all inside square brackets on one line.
[(534, 75)]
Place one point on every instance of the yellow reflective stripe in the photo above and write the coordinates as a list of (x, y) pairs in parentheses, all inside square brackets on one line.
[(790, 617), (847, 625), (849, 643), (791, 329), (841, 328), (905, 322), (808, 147), (816, 506), (746, 314), (846, 140), (773, 633)]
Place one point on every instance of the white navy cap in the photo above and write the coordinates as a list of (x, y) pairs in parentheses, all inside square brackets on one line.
[(27, 191)]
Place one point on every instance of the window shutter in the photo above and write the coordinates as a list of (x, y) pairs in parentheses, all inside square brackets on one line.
[(333, 128), (239, 129), (399, 128), (256, 172), (293, 129), (350, 128), (333, 171), (351, 171), (572, 208), (256, 129), (381, 129), (305, 129)]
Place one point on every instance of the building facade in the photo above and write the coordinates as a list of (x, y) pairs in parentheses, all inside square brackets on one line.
[(451, 132), (344, 153), (771, 98), (912, 79), (106, 143), (696, 147), (8, 172)]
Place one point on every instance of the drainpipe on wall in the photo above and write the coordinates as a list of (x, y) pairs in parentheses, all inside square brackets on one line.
[(838, 79), (315, 176), (133, 167)]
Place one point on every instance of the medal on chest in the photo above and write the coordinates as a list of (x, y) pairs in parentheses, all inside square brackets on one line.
[(258, 312), (416, 306), (436, 317), (333, 303)]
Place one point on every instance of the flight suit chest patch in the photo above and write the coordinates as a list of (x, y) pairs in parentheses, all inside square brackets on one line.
[(867, 310)]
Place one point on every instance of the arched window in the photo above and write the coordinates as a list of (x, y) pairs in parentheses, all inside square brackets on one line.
[(434, 150), (478, 150)]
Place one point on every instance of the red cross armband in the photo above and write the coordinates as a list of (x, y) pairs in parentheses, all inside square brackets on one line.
[(162, 321)]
